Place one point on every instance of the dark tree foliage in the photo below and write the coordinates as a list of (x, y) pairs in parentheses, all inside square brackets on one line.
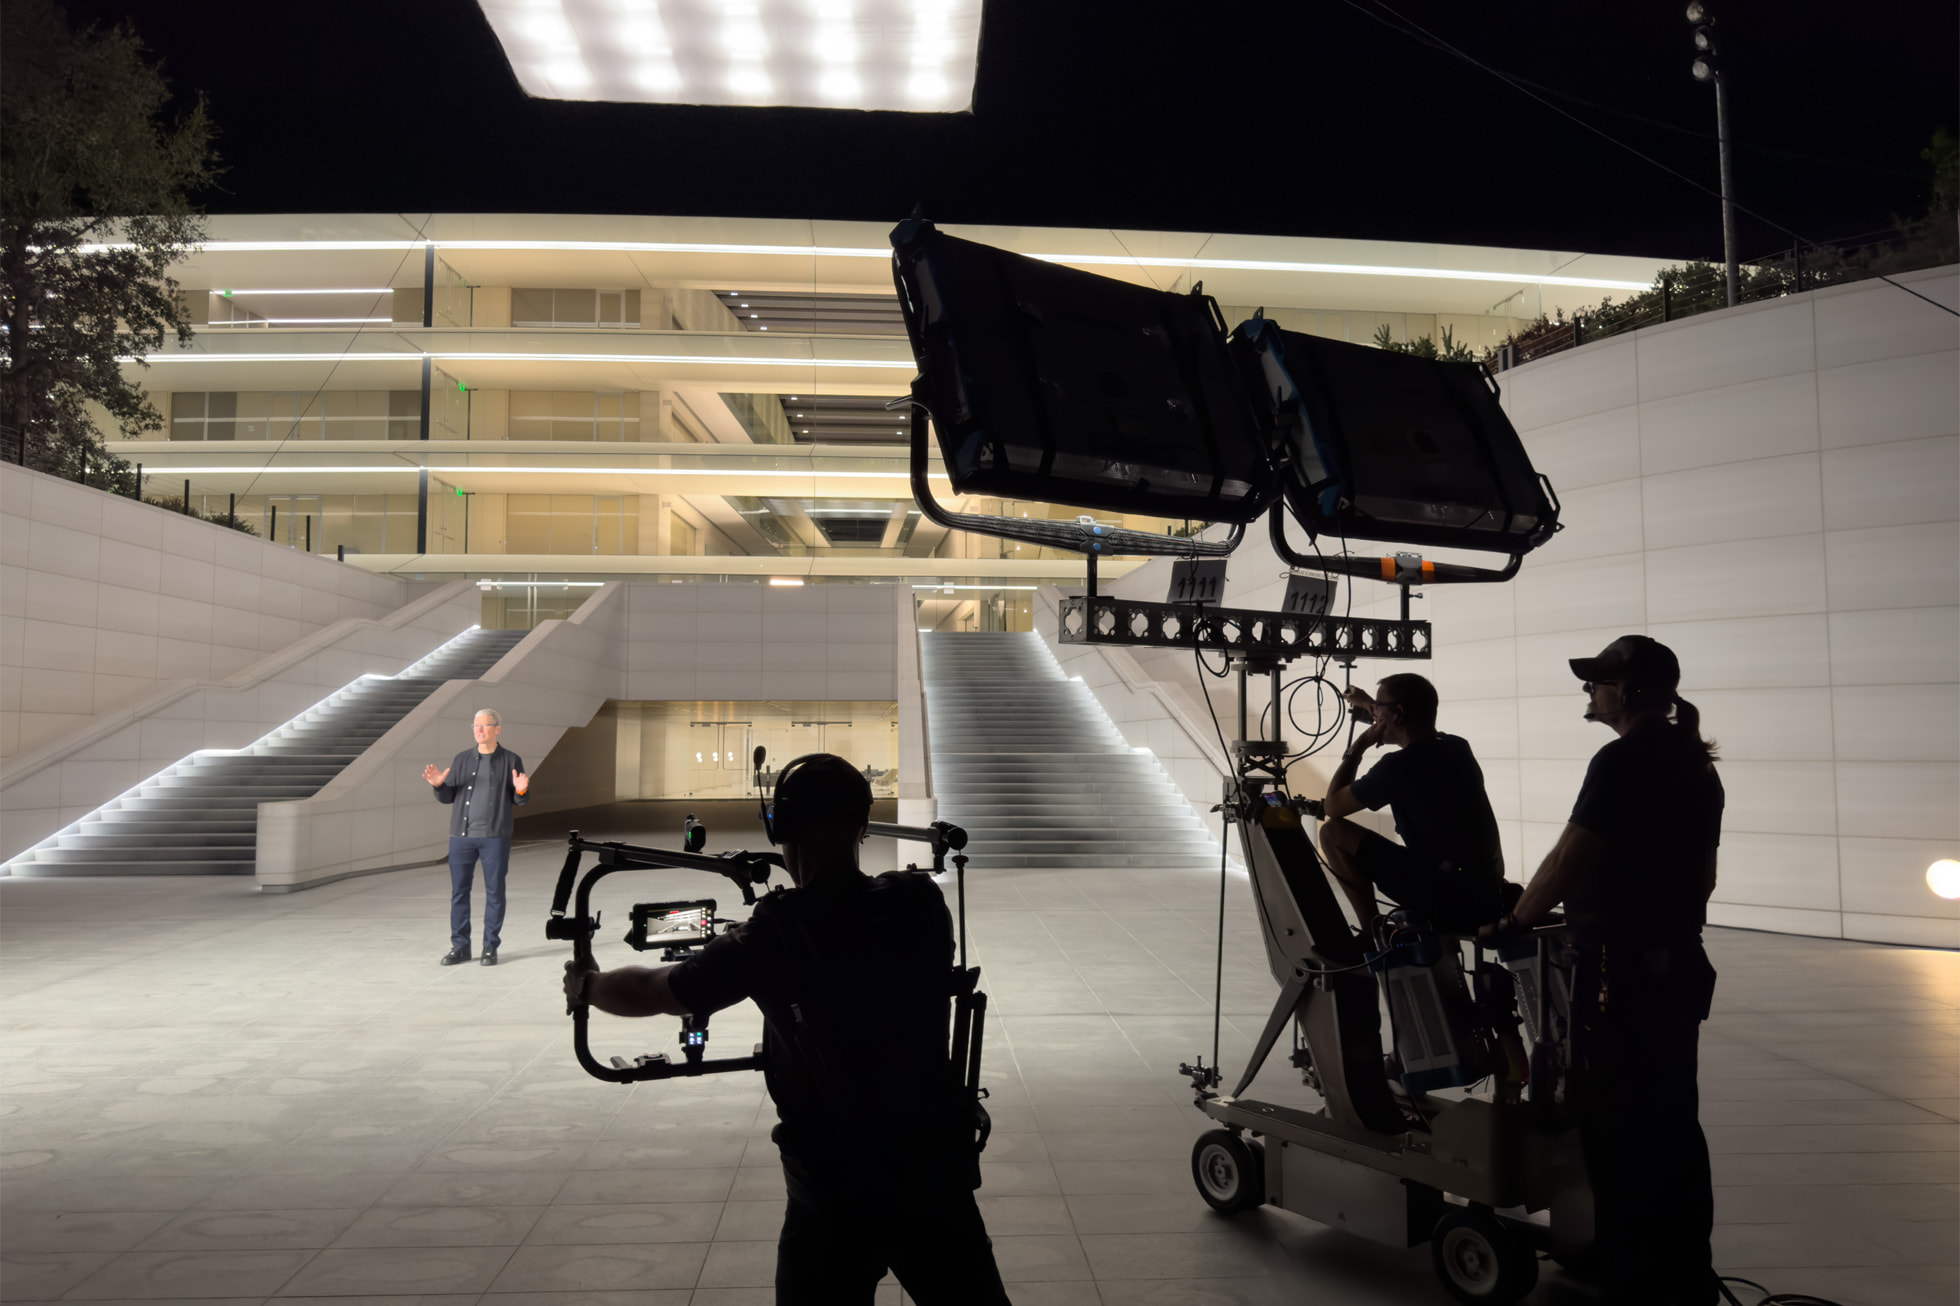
[(94, 207)]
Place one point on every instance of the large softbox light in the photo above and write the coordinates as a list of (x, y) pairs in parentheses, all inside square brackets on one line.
[(1051, 384), (1393, 447)]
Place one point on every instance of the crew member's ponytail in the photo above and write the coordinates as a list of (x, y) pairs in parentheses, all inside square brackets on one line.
[(1687, 719)]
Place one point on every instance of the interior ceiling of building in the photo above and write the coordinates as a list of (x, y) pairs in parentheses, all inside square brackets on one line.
[(843, 419), (815, 313)]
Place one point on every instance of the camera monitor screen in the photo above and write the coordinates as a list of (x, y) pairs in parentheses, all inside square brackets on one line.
[(1394, 447), (1056, 385)]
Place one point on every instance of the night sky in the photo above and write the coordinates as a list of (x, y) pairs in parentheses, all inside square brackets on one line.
[(1298, 117)]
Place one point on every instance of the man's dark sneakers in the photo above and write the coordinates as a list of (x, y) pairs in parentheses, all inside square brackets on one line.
[(456, 956), (489, 956)]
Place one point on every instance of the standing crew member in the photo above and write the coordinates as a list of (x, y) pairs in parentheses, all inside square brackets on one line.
[(1449, 866), (852, 974), (1634, 867), (491, 782)]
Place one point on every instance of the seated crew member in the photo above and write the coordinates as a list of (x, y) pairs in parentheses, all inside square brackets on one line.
[(851, 974), (1635, 866), (1449, 866)]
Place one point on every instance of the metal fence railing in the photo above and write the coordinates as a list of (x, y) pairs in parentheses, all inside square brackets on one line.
[(1702, 287)]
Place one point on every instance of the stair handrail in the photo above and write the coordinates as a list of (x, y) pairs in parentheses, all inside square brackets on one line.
[(30, 763)]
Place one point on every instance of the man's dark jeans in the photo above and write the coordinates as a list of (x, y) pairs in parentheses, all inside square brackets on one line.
[(463, 855), (838, 1241)]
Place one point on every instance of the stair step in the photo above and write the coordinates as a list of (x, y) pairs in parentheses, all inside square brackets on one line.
[(201, 818)]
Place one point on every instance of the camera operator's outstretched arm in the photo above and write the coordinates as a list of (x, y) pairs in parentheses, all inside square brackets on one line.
[(627, 991), (1575, 861)]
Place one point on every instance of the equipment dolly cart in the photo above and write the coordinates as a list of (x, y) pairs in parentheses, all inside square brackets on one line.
[(1052, 384)]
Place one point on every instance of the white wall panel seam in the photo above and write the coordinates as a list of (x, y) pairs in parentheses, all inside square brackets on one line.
[(1830, 671)]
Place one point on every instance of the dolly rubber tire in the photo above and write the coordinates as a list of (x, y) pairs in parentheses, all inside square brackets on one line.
[(1479, 1261), (1229, 1171)]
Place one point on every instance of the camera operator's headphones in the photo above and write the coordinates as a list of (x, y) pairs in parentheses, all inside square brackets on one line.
[(782, 821)]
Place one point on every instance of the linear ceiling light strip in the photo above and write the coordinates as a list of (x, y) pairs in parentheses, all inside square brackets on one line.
[(842, 251)]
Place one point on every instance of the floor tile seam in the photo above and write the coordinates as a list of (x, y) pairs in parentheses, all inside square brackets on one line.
[(1815, 1070)]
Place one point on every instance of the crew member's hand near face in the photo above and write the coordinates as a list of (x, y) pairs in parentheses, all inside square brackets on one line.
[(575, 972), (436, 777), (1361, 704), (520, 782)]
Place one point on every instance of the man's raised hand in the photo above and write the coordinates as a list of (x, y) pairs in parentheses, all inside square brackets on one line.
[(520, 782), (436, 777)]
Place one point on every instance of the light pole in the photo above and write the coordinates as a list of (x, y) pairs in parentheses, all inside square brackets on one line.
[(1707, 67)]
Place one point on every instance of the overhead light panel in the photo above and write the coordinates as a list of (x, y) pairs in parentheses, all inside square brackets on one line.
[(914, 56)]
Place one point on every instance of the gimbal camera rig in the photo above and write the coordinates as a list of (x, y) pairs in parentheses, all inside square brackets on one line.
[(679, 929), (1050, 384)]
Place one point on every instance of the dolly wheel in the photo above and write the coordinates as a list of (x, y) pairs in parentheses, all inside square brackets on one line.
[(1230, 1172), (1479, 1262)]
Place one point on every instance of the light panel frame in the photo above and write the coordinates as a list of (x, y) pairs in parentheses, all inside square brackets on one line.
[(910, 56)]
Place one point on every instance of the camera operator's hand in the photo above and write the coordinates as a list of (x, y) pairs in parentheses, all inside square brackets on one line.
[(1504, 926), (578, 975), (434, 776), (1363, 706)]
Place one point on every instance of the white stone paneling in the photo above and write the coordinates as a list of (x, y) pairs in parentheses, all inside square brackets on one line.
[(1894, 566), (1595, 379), (1748, 652), (1744, 578), (1888, 877), (1767, 797), (1590, 450), (1767, 725), (1889, 399), (1699, 354), (1733, 423), (1894, 646), (1899, 800), (1778, 870), (1892, 484), (1733, 501), (1871, 320), (1897, 723)]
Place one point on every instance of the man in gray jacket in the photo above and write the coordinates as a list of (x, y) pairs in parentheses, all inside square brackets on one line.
[(490, 780)]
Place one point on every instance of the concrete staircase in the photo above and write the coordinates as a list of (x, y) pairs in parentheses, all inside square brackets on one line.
[(201, 816), (1028, 762)]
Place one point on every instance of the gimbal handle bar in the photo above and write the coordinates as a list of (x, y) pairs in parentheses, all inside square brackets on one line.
[(1098, 541), (944, 837), (744, 868), (1392, 569)]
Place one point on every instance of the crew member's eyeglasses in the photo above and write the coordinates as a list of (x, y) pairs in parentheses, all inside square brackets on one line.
[(1591, 685)]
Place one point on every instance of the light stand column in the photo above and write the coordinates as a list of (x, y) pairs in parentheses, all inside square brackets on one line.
[(1728, 183)]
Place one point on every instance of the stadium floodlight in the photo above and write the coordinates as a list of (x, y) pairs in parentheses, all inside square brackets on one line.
[(915, 56)]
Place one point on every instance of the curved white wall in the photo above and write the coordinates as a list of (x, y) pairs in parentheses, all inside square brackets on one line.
[(1774, 491)]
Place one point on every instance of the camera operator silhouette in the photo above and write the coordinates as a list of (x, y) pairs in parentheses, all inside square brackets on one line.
[(852, 974)]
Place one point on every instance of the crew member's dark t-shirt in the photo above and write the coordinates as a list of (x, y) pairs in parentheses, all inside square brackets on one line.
[(1435, 789), (1655, 799), (852, 979)]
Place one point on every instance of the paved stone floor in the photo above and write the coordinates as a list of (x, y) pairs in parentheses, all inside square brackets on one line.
[(215, 1095)]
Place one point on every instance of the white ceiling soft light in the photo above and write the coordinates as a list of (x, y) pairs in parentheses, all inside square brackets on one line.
[(910, 55)]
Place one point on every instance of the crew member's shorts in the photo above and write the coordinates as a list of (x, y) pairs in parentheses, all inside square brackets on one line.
[(1455, 900)]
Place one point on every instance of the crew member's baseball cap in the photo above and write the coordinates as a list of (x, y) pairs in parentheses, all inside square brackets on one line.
[(1632, 658)]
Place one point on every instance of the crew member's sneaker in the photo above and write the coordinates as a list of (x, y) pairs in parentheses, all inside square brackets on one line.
[(489, 956), (456, 956)]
